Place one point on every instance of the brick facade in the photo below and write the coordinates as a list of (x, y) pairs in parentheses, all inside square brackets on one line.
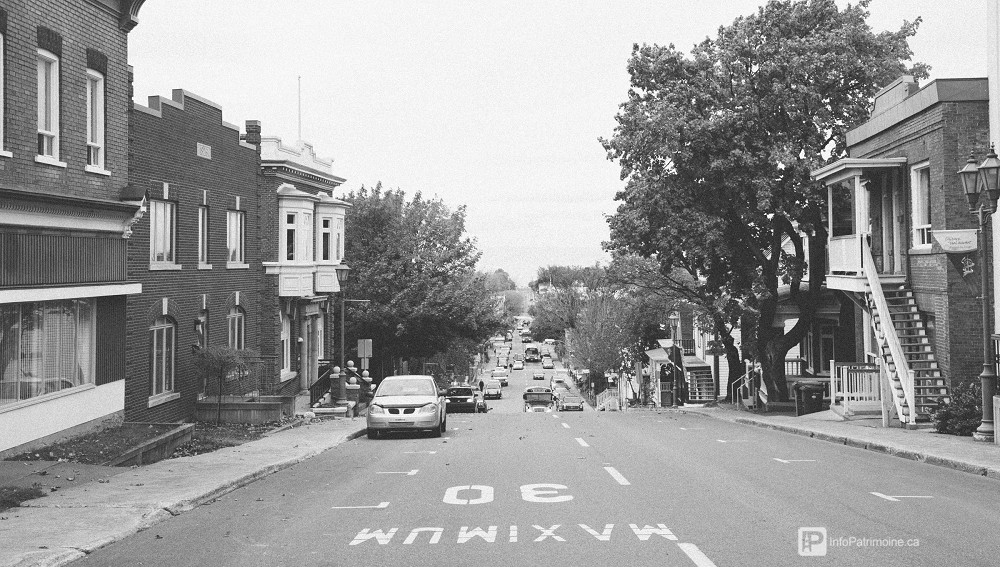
[(63, 224), (942, 134), (165, 143)]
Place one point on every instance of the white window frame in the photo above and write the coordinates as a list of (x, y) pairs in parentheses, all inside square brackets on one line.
[(203, 228), (236, 239), (163, 235), (308, 238), (326, 251), (286, 345), (340, 240), (920, 206), (236, 325), (162, 350), (96, 125), (291, 240), (48, 109)]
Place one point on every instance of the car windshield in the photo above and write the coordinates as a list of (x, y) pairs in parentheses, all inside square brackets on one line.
[(493, 384), (419, 387), (459, 391), (573, 399)]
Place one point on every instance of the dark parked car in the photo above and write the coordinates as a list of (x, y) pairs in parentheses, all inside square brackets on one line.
[(462, 398)]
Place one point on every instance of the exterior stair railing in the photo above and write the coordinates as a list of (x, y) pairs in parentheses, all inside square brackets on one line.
[(885, 334)]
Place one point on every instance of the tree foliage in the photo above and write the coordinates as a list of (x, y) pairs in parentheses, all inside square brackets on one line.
[(415, 263), (717, 147)]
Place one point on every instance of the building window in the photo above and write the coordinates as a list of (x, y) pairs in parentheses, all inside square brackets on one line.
[(48, 105), (95, 120), (161, 232), (290, 229), (340, 240), (309, 237), (161, 353), (324, 239), (203, 235), (236, 323), (46, 347), (286, 343), (236, 236), (920, 183)]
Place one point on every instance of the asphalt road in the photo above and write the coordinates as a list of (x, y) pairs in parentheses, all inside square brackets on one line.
[(590, 488)]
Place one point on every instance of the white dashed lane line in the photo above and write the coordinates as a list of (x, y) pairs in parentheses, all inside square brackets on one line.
[(566, 425), (582, 442), (617, 476)]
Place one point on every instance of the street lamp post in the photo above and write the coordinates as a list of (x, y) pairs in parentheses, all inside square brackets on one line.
[(342, 274), (675, 331), (974, 180)]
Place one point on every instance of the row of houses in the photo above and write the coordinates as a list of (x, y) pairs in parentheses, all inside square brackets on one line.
[(132, 236)]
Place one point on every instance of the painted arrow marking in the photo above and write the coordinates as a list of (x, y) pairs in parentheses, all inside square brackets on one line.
[(786, 461), (380, 505), (407, 473), (419, 452), (895, 498)]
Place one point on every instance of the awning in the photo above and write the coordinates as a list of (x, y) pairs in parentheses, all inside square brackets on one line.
[(852, 167)]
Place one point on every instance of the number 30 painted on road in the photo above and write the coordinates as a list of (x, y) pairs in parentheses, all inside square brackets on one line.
[(540, 493)]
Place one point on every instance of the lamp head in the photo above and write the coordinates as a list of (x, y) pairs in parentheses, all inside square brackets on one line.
[(969, 175), (989, 171)]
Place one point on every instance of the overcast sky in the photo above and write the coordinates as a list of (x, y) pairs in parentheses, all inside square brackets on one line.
[(492, 104)]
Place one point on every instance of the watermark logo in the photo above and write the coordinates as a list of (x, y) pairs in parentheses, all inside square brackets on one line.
[(812, 542)]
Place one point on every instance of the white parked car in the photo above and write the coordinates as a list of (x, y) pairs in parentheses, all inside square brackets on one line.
[(403, 403)]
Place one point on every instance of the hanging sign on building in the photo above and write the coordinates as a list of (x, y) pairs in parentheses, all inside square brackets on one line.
[(957, 241)]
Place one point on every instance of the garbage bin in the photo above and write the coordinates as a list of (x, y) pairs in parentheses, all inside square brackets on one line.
[(808, 397)]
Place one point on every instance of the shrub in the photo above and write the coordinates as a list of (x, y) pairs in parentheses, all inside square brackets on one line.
[(963, 414)]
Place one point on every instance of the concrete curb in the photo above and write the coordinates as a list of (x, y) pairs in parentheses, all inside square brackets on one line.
[(876, 447)]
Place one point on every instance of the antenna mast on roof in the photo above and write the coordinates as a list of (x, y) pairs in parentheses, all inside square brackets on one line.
[(300, 107)]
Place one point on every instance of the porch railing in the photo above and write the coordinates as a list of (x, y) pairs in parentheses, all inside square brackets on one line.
[(845, 254), (855, 386), (886, 336), (687, 346), (794, 367)]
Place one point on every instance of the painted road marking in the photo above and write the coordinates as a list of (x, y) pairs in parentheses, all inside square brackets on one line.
[(582, 442), (381, 505), (419, 452), (732, 440), (786, 461), (617, 476), (695, 554), (566, 425), (407, 473), (692, 428), (895, 498), (555, 416), (493, 534)]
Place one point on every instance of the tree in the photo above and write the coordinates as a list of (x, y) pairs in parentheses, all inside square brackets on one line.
[(716, 150), (500, 280), (415, 263)]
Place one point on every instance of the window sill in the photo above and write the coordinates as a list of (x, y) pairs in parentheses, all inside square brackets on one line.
[(163, 398), (97, 170), (45, 398), (287, 375), (204, 266), (919, 250), (49, 160), (237, 266), (155, 266), (5, 153)]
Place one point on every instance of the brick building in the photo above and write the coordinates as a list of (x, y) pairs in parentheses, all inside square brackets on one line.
[(302, 245), (902, 242), (63, 222), (197, 252)]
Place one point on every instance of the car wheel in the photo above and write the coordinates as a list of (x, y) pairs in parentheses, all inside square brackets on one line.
[(372, 434)]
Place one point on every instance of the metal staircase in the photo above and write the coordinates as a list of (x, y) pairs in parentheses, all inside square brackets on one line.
[(929, 386), (906, 353)]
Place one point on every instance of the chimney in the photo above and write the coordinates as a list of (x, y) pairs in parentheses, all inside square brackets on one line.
[(253, 132)]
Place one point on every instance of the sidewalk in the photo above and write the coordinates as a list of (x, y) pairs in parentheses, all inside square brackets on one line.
[(924, 445), (111, 504)]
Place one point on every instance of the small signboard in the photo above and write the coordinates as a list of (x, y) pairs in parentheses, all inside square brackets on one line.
[(957, 241), (364, 348)]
